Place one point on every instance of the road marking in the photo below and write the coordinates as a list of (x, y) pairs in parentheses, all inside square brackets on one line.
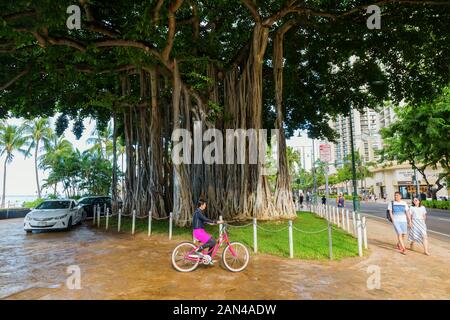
[(442, 234), (442, 219)]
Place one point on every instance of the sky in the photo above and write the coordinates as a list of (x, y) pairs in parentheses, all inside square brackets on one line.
[(21, 181)]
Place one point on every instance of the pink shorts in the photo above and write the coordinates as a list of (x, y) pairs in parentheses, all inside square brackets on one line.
[(201, 235)]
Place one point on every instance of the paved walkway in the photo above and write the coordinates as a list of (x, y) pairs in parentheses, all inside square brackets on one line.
[(122, 267)]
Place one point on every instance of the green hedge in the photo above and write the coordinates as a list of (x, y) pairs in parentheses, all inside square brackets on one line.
[(444, 205), (32, 204), (346, 197)]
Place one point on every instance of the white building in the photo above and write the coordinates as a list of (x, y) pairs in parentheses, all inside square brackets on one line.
[(367, 140)]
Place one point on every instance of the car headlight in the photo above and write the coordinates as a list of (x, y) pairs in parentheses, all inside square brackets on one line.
[(27, 218), (61, 217)]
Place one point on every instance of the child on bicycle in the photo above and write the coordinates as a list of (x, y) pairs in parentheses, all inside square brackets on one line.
[(198, 221)]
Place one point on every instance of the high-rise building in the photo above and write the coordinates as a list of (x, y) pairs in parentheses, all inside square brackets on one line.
[(388, 178)]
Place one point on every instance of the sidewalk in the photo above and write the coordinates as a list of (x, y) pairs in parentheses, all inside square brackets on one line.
[(122, 267)]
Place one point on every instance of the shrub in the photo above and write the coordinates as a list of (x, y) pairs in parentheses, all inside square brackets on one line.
[(444, 205), (33, 204)]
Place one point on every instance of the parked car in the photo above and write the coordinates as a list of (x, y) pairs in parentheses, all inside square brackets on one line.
[(54, 214), (88, 204)]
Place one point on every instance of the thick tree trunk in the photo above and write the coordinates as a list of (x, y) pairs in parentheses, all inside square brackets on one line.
[(247, 191), (156, 160), (182, 188), (284, 202), (114, 167)]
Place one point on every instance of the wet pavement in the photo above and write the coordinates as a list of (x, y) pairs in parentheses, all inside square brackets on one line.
[(120, 266)]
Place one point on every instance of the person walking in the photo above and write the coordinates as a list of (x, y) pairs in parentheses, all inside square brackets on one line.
[(401, 218), (340, 203), (418, 231), (301, 199)]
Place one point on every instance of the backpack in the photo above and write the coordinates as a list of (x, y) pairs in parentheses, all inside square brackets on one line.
[(388, 216)]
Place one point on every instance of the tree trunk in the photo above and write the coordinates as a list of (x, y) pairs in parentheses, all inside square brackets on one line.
[(36, 169), (114, 168), (4, 181), (182, 189), (156, 162), (283, 192)]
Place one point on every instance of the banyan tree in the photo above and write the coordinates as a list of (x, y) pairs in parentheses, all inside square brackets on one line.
[(158, 66)]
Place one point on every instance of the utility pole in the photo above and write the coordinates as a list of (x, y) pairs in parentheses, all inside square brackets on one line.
[(313, 158), (355, 186), (416, 176)]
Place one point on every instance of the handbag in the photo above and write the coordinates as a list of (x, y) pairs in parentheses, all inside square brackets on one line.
[(388, 216)]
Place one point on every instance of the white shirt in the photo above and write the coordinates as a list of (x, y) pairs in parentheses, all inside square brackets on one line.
[(399, 210), (418, 212)]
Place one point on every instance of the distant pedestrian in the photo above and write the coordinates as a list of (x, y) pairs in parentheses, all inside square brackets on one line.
[(423, 196), (401, 218), (418, 231), (340, 203), (301, 199), (324, 200)]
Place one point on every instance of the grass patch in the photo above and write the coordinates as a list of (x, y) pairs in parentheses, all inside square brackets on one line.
[(306, 246)]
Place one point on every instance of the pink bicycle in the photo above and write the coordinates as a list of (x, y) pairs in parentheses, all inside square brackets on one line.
[(235, 256)]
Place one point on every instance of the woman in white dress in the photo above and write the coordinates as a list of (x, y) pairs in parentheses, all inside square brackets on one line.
[(418, 231)]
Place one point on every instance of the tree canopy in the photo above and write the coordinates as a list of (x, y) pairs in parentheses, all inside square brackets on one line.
[(159, 65)]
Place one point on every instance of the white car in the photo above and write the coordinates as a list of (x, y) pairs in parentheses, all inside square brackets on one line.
[(54, 214)]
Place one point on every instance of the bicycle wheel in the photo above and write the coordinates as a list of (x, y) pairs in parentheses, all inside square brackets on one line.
[(180, 259), (235, 257)]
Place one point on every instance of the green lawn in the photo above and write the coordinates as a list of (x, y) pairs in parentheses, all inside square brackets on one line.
[(306, 246)]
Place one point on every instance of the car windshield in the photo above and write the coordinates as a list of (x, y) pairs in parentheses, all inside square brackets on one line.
[(54, 205), (86, 201)]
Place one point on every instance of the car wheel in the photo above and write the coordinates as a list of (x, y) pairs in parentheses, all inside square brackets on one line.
[(69, 224), (29, 231)]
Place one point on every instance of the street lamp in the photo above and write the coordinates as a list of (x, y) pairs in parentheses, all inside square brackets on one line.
[(355, 186)]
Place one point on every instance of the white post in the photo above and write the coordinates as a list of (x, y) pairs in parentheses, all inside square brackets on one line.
[(330, 241), (334, 215), (133, 226), (170, 225), (338, 216), (291, 241), (347, 218), (364, 228), (359, 232), (119, 220), (354, 223), (149, 223), (107, 218), (220, 225), (255, 237), (98, 216), (94, 213)]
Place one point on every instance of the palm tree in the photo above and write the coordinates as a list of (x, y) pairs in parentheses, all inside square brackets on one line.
[(37, 130), (55, 149), (11, 140), (102, 142)]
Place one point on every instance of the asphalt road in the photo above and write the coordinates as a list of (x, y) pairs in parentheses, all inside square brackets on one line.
[(438, 221)]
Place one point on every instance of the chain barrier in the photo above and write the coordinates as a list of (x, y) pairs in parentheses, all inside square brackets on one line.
[(241, 226), (272, 231), (309, 232)]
